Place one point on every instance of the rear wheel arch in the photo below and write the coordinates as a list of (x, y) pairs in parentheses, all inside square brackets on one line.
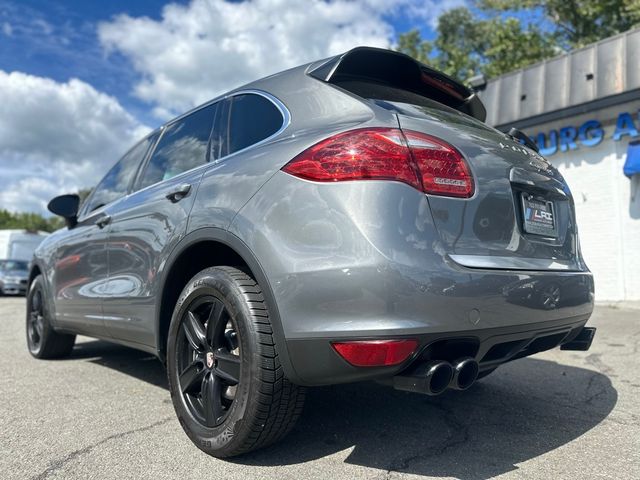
[(35, 271), (38, 269), (209, 247)]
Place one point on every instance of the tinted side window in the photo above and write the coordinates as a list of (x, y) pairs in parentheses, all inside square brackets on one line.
[(183, 146), (116, 182), (253, 118)]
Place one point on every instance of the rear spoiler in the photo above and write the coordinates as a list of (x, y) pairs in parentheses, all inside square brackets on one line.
[(401, 71)]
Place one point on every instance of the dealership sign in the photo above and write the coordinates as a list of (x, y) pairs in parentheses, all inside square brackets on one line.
[(589, 134)]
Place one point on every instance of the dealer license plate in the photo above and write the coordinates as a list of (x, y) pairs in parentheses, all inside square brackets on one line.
[(539, 216)]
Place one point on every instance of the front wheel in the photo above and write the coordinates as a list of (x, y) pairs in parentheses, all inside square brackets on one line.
[(42, 340), (225, 377)]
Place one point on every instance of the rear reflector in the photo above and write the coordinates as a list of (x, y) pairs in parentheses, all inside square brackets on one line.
[(375, 353), (419, 160)]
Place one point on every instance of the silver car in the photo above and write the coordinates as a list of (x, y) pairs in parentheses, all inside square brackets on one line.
[(350, 219), (13, 277)]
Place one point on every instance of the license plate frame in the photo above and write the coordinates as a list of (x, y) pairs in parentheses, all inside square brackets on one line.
[(539, 216)]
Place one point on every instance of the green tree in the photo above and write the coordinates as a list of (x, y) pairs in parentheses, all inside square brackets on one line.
[(32, 222), (459, 43), (509, 46), (576, 23), (412, 44), (494, 42), (466, 45)]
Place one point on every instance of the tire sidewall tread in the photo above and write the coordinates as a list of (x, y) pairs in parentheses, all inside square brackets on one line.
[(262, 410)]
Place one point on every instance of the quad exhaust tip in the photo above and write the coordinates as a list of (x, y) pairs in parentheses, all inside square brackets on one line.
[(434, 377), (431, 378), (438, 377), (465, 373)]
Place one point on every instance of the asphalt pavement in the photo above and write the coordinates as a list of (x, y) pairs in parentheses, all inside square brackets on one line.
[(105, 413)]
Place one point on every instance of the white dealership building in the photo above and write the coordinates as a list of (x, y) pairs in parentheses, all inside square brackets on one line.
[(583, 110)]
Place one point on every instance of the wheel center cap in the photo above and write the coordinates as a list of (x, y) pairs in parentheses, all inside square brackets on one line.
[(210, 359)]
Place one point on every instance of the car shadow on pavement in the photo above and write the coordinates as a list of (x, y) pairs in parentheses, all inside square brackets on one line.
[(136, 363), (523, 410)]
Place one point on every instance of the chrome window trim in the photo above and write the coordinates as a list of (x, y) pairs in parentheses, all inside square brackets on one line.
[(284, 111)]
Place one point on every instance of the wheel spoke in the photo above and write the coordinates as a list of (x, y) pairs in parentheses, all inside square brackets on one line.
[(214, 317), (38, 327), (194, 332), (36, 302), (228, 367), (211, 399), (192, 375)]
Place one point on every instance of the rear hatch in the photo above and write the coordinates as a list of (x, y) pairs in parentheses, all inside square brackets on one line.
[(521, 213)]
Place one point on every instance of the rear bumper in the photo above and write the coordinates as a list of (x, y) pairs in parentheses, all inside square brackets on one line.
[(317, 363), (13, 289), (363, 260), (489, 315)]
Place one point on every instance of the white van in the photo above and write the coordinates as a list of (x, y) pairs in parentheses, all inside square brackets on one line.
[(19, 244)]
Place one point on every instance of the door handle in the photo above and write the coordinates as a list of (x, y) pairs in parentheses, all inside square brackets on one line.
[(179, 192), (103, 221)]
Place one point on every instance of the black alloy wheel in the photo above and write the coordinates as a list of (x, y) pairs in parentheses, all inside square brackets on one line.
[(42, 340), (209, 359), (227, 385), (35, 320)]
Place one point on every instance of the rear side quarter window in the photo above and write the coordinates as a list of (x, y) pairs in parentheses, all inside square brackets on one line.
[(252, 118)]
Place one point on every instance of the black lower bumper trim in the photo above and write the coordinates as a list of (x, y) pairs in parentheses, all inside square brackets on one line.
[(316, 362), (582, 341)]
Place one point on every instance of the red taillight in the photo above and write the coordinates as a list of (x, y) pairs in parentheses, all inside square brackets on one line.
[(424, 162), (443, 170), (375, 353), (365, 154)]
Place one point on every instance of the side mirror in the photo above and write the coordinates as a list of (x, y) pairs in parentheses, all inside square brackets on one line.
[(66, 206)]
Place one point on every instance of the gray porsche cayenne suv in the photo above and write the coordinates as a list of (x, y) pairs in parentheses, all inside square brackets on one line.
[(350, 219)]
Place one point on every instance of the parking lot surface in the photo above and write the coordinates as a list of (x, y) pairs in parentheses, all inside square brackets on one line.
[(105, 413)]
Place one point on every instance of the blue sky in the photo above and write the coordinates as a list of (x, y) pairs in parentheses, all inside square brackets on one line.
[(59, 40), (80, 81)]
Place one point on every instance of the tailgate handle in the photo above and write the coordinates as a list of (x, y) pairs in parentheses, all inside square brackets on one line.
[(534, 179)]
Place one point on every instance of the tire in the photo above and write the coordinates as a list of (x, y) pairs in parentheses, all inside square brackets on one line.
[(42, 340), (225, 378)]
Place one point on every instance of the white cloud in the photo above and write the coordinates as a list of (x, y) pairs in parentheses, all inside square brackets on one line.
[(7, 29), (56, 138), (197, 51)]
